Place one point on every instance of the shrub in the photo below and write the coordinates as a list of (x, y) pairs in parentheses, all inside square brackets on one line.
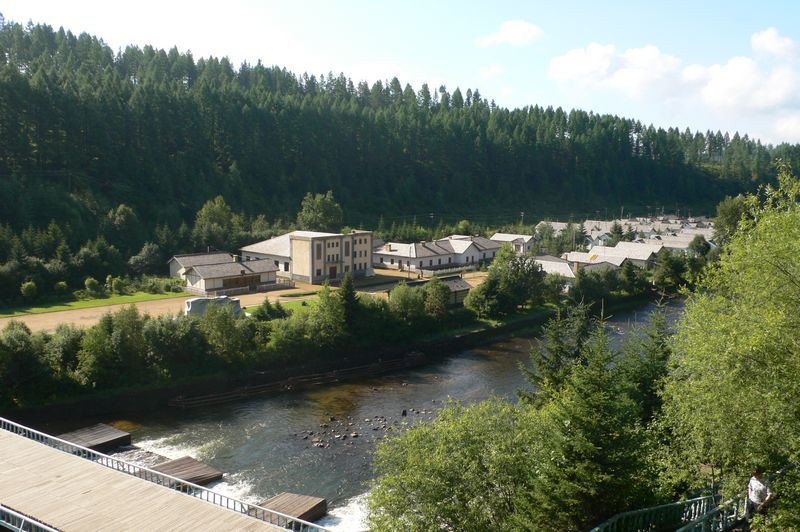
[(60, 287), (28, 290), (92, 287)]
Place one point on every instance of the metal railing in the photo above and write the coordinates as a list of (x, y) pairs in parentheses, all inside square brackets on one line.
[(269, 516), (666, 516), (720, 518), (21, 522)]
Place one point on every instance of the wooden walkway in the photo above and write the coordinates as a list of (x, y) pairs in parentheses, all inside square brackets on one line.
[(303, 507), (74, 494), (101, 438), (190, 470)]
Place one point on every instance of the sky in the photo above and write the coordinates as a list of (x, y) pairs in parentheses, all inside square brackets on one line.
[(721, 65)]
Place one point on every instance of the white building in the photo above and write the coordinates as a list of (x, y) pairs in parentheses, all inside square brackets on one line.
[(451, 252), (520, 243), (593, 261), (555, 266)]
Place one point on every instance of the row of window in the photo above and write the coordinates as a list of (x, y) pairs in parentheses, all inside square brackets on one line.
[(430, 261)]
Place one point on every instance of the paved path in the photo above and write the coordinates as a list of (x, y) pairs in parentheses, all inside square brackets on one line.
[(71, 493)]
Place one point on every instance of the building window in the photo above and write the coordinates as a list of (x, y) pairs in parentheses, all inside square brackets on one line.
[(381, 260), (420, 264), (319, 250), (286, 266), (347, 249), (430, 262), (493, 253), (484, 255), (319, 273), (391, 261), (440, 262), (276, 263), (449, 260), (346, 269)]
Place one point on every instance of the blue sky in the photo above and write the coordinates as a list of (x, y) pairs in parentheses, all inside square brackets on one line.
[(706, 65)]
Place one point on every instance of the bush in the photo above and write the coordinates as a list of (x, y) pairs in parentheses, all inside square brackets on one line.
[(28, 290), (60, 287), (93, 288)]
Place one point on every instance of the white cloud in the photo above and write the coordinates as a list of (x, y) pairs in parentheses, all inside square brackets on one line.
[(741, 83), (600, 66), (516, 32), (770, 42), (492, 71), (584, 66), (787, 128), (759, 93)]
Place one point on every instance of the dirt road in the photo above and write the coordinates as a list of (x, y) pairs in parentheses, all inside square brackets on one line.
[(86, 317)]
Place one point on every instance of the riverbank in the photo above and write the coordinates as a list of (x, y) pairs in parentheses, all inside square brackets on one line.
[(375, 361)]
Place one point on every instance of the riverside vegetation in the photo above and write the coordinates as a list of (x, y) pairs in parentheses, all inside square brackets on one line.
[(601, 430)]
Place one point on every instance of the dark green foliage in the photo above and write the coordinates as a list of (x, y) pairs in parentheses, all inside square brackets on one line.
[(730, 211), (512, 280), (28, 290), (592, 286), (560, 347), (149, 260), (266, 311), (347, 293), (320, 212), (669, 271), (437, 298), (632, 279)]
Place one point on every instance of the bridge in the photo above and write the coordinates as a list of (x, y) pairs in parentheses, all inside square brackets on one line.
[(47, 483)]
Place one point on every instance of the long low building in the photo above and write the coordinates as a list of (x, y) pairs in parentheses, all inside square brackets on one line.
[(451, 252), (232, 277), (519, 243)]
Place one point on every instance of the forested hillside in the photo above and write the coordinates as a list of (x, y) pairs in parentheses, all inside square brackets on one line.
[(85, 129)]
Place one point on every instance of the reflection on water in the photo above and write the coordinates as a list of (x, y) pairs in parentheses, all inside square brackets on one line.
[(320, 442)]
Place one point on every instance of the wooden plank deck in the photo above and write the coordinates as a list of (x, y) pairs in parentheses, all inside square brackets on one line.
[(100, 437), (190, 470), (75, 494), (301, 506)]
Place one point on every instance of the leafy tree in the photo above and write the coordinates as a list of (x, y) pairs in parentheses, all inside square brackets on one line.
[(699, 246), (553, 288), (215, 225), (729, 213), (407, 304), (92, 286), (735, 359), (148, 261), (326, 320), (437, 298), (320, 212), (23, 371), (669, 270), (632, 279), (454, 473)]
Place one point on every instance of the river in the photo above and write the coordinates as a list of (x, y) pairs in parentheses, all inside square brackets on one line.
[(267, 445)]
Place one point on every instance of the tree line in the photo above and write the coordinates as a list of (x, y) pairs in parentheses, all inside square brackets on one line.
[(86, 129)]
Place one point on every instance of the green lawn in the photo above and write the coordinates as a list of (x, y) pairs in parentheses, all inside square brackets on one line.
[(14, 312), (298, 305)]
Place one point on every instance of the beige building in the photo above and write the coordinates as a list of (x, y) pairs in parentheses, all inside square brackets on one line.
[(315, 257)]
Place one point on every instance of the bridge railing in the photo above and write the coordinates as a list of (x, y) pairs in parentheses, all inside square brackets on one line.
[(666, 516), (720, 518), (252, 510), (17, 521)]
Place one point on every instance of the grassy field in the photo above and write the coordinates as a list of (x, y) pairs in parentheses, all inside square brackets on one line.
[(13, 312), (299, 304)]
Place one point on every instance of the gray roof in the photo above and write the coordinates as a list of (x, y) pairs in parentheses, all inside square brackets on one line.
[(233, 269), (194, 259)]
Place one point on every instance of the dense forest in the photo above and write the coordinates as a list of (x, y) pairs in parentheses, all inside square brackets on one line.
[(85, 129)]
